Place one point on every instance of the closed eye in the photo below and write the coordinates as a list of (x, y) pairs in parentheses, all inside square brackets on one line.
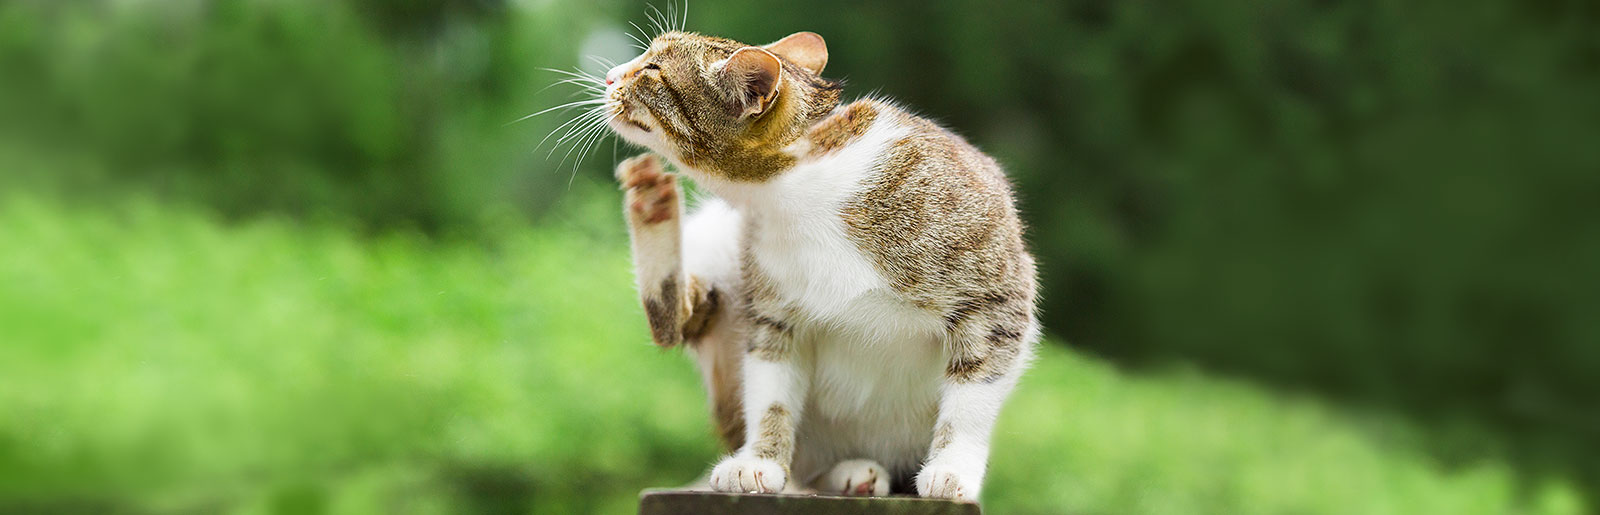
[(652, 66)]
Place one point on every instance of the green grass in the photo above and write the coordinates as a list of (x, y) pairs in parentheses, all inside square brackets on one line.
[(153, 359)]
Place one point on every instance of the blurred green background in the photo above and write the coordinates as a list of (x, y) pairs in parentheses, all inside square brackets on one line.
[(290, 256)]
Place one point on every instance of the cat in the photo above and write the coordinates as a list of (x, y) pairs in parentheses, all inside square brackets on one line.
[(858, 295)]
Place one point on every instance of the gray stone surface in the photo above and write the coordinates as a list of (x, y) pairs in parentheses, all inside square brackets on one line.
[(694, 502)]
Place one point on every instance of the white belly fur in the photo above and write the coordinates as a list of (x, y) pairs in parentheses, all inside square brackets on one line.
[(874, 393)]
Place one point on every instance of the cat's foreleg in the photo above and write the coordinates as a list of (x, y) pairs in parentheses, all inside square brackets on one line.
[(987, 356), (774, 393), (676, 305)]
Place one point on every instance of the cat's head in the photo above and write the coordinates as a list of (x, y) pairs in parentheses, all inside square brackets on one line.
[(721, 106)]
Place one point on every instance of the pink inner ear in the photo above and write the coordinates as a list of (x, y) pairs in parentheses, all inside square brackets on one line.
[(755, 72)]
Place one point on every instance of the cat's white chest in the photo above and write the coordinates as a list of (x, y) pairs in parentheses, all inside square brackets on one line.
[(815, 268), (800, 242)]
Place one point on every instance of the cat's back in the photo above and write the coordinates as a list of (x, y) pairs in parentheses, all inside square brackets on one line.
[(935, 215)]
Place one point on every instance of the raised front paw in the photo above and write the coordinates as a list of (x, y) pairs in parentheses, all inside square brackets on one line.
[(633, 171), (856, 477), (744, 474), (945, 482), (652, 194)]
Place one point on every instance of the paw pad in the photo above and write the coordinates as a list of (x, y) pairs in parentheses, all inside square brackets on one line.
[(652, 194)]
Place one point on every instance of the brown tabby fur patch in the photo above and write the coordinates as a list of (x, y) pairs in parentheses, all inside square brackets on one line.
[(841, 128), (776, 439), (723, 380), (662, 310), (771, 338), (698, 312), (942, 436), (938, 221)]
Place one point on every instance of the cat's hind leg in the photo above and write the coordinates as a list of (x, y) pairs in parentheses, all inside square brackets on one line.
[(990, 343), (855, 478)]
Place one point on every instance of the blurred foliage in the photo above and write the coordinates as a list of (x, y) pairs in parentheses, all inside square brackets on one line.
[(1386, 202), (312, 108)]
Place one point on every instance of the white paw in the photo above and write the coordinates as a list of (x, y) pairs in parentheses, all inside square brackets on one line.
[(744, 474), (944, 482), (856, 477)]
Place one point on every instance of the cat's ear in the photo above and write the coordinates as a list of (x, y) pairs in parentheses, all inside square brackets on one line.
[(806, 49), (750, 76)]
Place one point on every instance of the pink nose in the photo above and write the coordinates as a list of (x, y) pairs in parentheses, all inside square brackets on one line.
[(615, 74)]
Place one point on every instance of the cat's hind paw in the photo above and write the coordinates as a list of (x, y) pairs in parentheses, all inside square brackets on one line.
[(856, 477), (944, 482), (745, 474)]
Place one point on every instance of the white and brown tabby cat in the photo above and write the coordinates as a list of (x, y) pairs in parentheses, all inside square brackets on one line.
[(858, 296)]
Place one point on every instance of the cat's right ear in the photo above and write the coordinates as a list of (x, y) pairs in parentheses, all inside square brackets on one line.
[(806, 49), (750, 76)]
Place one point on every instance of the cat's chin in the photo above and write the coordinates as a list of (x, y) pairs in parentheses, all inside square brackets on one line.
[(643, 138), (634, 133)]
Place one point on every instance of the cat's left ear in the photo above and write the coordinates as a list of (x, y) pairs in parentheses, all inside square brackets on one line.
[(806, 49), (750, 76)]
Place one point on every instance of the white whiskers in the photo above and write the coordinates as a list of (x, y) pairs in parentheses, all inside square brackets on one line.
[(582, 133)]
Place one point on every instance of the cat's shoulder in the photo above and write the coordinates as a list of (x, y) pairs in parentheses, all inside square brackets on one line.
[(911, 139), (848, 124)]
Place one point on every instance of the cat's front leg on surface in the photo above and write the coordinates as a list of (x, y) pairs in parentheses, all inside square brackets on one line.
[(988, 355), (676, 304), (774, 392)]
